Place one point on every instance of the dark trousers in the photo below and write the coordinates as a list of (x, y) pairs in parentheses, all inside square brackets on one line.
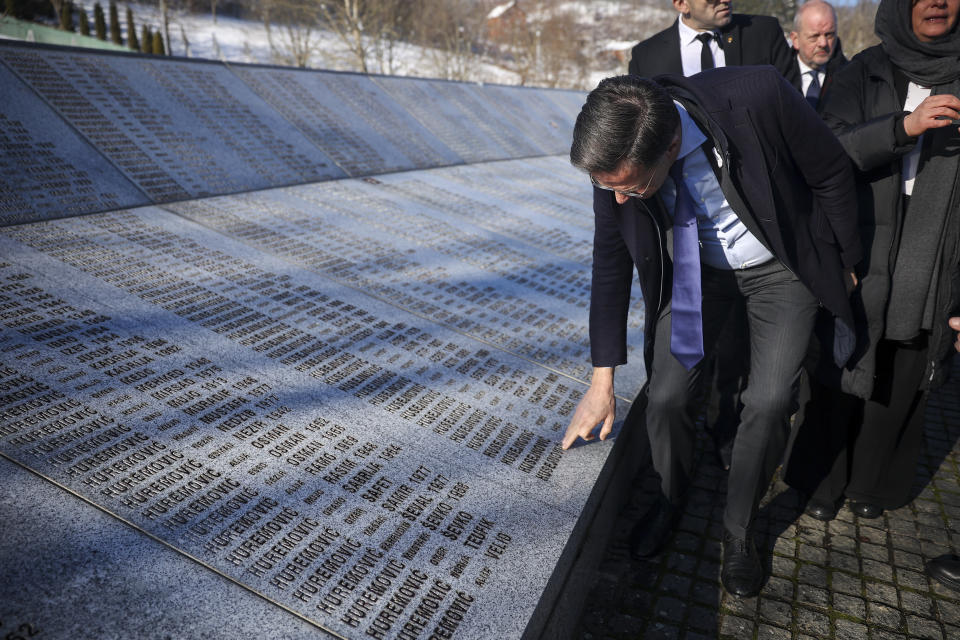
[(727, 375), (865, 450), (780, 315)]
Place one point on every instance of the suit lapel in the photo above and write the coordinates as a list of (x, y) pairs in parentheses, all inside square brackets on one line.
[(749, 160), (732, 45), (674, 62)]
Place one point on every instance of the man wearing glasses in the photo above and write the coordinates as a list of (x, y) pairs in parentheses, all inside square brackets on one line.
[(720, 189)]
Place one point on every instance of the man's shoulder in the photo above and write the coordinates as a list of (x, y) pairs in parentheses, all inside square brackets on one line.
[(658, 39), (660, 53), (726, 87), (762, 74), (871, 56)]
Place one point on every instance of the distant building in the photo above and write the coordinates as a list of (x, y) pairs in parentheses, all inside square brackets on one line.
[(617, 50), (504, 18)]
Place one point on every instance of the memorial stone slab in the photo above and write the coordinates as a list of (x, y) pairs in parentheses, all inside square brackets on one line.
[(531, 110), (350, 118), (176, 129), (370, 471), (46, 169), (70, 570), (464, 117), (568, 101), (421, 248)]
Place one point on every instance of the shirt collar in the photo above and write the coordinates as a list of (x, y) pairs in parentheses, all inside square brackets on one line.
[(804, 69), (689, 35), (691, 135)]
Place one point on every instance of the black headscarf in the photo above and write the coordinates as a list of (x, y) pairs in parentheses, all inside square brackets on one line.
[(926, 63)]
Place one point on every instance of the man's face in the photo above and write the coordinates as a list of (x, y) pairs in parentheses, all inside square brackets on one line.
[(817, 37), (705, 15), (631, 180), (933, 19)]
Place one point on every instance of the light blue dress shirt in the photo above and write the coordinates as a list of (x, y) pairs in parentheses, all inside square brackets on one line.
[(725, 242)]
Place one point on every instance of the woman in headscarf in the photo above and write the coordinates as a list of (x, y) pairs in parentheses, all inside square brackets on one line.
[(895, 109)]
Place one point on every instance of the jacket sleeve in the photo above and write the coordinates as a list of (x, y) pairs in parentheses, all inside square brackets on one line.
[(870, 142), (825, 168), (610, 286)]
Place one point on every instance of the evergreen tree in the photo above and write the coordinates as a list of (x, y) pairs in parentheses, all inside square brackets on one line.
[(131, 31), (114, 24), (10, 8), (158, 44), (99, 23), (146, 40), (66, 17), (84, 22)]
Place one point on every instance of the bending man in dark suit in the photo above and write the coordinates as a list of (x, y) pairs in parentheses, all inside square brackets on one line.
[(818, 54), (708, 35), (769, 191), (732, 39)]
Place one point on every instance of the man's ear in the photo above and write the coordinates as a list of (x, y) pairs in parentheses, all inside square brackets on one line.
[(681, 6), (674, 147)]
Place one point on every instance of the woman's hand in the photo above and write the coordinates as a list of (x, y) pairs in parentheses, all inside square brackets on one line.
[(926, 115)]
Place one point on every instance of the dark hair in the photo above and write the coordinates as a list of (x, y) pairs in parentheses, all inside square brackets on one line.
[(625, 118)]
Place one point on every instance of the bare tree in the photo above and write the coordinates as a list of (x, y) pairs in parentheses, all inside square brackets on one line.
[(369, 29), (291, 27), (855, 26), (542, 42), (559, 58), (448, 32)]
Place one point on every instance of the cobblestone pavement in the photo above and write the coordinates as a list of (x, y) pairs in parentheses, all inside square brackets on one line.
[(848, 579)]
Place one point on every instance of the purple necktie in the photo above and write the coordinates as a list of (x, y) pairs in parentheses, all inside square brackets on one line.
[(686, 335)]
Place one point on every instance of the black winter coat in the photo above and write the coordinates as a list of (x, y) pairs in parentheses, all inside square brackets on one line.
[(863, 110)]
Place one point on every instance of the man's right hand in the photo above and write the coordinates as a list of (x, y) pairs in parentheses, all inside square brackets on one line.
[(597, 405)]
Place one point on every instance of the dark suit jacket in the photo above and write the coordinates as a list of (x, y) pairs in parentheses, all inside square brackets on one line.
[(785, 175), (746, 40), (836, 62)]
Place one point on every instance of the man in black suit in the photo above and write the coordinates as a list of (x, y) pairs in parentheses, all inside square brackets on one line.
[(759, 210), (818, 54), (708, 34)]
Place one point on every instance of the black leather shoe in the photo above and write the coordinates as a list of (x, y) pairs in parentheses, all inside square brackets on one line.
[(824, 511), (866, 510), (741, 575), (945, 570), (651, 532)]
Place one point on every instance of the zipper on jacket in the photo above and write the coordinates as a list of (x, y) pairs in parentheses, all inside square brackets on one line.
[(660, 239)]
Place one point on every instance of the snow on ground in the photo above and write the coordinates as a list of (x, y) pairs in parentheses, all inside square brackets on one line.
[(233, 40), (230, 39)]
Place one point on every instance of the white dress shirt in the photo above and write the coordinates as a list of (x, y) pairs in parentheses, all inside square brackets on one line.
[(806, 75), (690, 49), (725, 242)]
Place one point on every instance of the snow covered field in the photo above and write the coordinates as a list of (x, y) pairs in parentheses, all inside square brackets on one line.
[(232, 40)]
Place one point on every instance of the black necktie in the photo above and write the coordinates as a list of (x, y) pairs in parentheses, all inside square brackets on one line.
[(706, 56), (813, 91)]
